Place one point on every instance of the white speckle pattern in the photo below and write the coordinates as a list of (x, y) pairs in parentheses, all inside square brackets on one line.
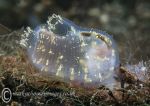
[(66, 50)]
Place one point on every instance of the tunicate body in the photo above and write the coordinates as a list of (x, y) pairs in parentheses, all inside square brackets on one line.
[(64, 50)]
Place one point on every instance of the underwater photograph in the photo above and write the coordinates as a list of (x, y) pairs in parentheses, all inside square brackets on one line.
[(74, 52)]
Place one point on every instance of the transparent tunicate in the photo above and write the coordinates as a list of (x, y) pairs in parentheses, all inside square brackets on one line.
[(64, 50)]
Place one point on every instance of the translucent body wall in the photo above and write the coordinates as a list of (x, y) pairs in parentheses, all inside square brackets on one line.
[(64, 50)]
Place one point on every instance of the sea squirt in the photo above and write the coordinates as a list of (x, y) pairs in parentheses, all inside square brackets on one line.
[(64, 50)]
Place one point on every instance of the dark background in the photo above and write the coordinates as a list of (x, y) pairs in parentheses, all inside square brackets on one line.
[(127, 20)]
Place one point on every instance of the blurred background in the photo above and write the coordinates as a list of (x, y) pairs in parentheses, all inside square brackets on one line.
[(128, 21)]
